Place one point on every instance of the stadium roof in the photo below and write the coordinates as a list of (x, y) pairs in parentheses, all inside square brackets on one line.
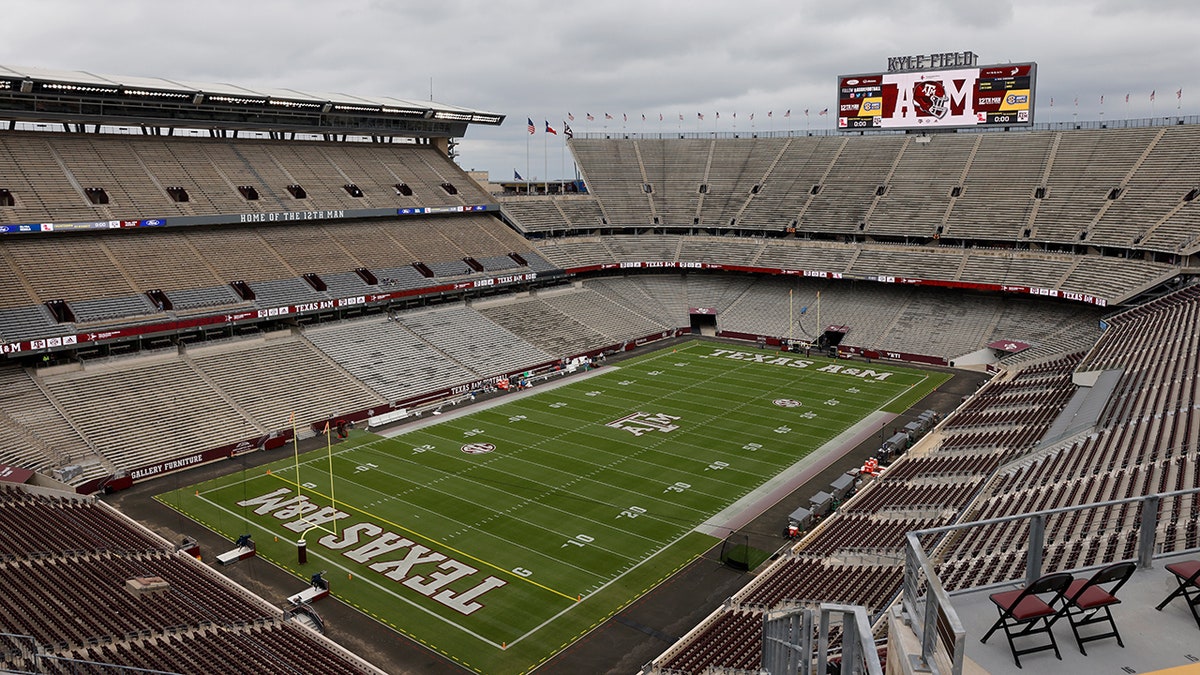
[(39, 94)]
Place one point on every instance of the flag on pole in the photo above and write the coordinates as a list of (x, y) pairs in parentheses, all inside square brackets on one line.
[(824, 111), (770, 113), (789, 112), (680, 117), (607, 116), (590, 118), (1051, 101), (660, 117), (567, 131), (1076, 101), (517, 176), (1152, 95), (1101, 99), (530, 126), (718, 114), (550, 129), (625, 117), (1179, 94), (643, 117), (700, 115), (570, 118), (751, 117), (1127, 98)]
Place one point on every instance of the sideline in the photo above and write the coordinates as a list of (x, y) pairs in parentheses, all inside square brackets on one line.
[(428, 419), (742, 512)]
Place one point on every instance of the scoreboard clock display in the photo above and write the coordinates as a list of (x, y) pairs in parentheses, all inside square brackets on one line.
[(998, 95)]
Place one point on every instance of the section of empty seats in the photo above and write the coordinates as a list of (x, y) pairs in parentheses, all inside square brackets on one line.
[(850, 187), (1086, 167), (676, 168), (803, 580), (28, 413), (209, 189), (161, 259), (920, 188), (535, 214), (799, 169), (1115, 279), (18, 295), (1151, 209), (281, 379), (43, 192), (1024, 269), (905, 261), (480, 344), (613, 171), (805, 255), (239, 254), (600, 314), (68, 267), (569, 253), (387, 357), (113, 168), (997, 196), (721, 250), (735, 174), (582, 212), (381, 172), (644, 247), (160, 397), (305, 248), (733, 640), (539, 323), (633, 297)]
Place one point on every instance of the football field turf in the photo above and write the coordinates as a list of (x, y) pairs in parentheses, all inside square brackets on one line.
[(500, 536)]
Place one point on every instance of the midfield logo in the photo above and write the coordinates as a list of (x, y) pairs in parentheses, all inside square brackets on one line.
[(639, 423)]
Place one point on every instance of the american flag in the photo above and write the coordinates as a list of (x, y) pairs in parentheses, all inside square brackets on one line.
[(532, 129)]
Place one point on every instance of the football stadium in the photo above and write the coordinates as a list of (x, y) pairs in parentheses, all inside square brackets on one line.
[(286, 390)]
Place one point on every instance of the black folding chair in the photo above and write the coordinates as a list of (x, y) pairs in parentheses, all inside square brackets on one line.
[(1187, 574), (1024, 612), (1088, 602)]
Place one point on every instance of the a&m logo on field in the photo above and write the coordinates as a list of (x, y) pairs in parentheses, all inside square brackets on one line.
[(639, 423), (478, 448)]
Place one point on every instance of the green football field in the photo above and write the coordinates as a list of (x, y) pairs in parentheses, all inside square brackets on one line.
[(500, 536)]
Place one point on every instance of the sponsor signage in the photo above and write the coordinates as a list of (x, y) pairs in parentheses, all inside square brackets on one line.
[(237, 218)]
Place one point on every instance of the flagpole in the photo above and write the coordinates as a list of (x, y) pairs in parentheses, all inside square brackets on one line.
[(332, 497), (546, 162), (527, 172), (296, 451)]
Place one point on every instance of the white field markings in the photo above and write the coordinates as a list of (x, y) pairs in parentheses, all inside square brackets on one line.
[(833, 416), (523, 501), (478, 530), (336, 563), (574, 478)]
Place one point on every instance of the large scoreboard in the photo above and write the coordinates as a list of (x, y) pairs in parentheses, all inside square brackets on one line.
[(999, 95)]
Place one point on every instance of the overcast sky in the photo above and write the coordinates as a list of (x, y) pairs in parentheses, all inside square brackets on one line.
[(542, 59)]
